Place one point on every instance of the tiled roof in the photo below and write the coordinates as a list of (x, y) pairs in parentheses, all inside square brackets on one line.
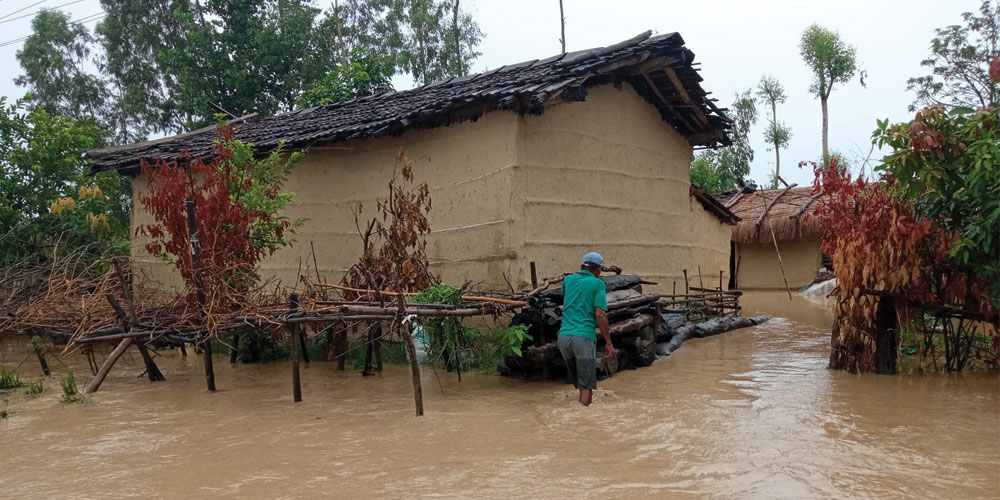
[(659, 68)]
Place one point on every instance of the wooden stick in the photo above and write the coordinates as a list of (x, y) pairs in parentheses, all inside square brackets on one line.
[(771, 204), (534, 276), (98, 379), (805, 206), (701, 280), (686, 282), (780, 264), (470, 298)]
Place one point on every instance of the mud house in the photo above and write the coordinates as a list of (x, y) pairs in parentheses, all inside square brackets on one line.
[(796, 234), (537, 161)]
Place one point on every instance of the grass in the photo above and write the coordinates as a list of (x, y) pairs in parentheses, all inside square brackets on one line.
[(70, 394), (9, 379), (34, 389)]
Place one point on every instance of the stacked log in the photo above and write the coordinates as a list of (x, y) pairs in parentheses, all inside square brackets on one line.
[(642, 327)]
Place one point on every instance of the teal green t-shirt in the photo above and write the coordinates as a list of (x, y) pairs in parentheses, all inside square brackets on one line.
[(582, 292)]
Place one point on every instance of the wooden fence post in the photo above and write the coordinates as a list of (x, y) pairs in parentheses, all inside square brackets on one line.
[(200, 292), (418, 392), (293, 333)]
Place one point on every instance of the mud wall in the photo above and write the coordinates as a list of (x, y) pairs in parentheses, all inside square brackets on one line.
[(758, 264), (606, 175)]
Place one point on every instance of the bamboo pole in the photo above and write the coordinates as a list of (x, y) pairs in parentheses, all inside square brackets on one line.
[(780, 264)]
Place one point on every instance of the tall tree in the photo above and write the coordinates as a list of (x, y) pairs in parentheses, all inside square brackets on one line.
[(53, 59), (771, 93), (134, 36), (959, 62), (832, 61), (562, 27), (723, 169)]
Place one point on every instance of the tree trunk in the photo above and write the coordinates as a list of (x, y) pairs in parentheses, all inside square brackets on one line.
[(777, 150), (886, 345), (459, 66), (826, 129), (562, 27)]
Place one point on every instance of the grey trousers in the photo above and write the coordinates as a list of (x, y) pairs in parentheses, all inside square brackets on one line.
[(580, 354)]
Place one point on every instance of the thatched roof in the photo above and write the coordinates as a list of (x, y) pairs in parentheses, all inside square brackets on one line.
[(788, 212), (660, 68)]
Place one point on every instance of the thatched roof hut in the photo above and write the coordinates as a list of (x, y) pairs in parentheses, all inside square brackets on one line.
[(770, 218), (786, 211)]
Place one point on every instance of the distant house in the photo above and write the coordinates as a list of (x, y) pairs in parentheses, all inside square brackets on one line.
[(769, 216), (538, 161)]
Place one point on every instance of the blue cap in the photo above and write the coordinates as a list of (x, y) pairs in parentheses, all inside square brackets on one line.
[(593, 258)]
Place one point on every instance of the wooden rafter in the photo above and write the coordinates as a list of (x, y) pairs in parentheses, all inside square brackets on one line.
[(681, 91), (771, 204), (732, 201), (806, 205), (666, 102)]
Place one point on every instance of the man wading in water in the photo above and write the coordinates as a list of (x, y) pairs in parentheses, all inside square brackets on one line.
[(585, 309)]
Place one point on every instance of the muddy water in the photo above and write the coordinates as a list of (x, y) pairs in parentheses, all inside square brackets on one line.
[(749, 414)]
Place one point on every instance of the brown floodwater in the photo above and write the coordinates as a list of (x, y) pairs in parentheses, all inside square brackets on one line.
[(749, 414)]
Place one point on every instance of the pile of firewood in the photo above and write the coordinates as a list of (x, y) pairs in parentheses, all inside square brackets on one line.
[(642, 325)]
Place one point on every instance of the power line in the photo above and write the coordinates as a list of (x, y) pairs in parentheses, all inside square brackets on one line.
[(88, 19), (22, 9), (36, 12)]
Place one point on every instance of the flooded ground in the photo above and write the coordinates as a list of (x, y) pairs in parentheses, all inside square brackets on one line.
[(748, 414)]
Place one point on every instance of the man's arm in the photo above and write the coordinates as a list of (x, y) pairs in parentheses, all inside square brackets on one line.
[(602, 324)]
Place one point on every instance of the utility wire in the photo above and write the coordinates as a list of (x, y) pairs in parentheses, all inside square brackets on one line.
[(36, 12), (87, 19), (5, 16)]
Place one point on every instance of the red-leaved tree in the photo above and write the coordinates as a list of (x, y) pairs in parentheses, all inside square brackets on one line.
[(237, 204)]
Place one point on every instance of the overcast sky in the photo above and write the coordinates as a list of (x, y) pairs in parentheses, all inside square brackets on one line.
[(736, 41)]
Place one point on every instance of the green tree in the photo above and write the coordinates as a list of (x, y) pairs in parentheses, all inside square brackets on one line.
[(365, 75), (41, 162), (771, 93), (134, 37), (959, 62), (53, 59), (832, 61), (947, 163), (723, 169)]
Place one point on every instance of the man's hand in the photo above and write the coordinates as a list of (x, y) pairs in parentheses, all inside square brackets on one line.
[(609, 351)]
